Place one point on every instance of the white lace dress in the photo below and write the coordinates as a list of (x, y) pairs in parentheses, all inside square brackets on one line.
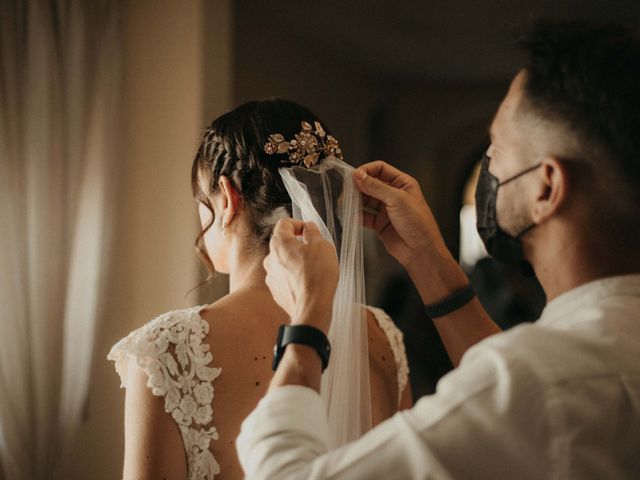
[(170, 349)]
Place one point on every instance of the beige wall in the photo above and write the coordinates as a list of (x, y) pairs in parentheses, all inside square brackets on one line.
[(153, 264)]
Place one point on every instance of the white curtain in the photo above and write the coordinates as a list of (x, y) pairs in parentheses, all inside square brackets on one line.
[(59, 78)]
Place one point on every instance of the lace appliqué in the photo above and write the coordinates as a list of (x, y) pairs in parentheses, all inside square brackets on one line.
[(396, 341), (170, 350)]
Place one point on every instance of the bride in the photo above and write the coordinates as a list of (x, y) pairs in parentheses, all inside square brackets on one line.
[(193, 375)]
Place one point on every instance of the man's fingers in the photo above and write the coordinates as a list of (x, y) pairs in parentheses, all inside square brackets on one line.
[(284, 233), (311, 232), (374, 188), (368, 220), (385, 173), (370, 203), (376, 221), (288, 227)]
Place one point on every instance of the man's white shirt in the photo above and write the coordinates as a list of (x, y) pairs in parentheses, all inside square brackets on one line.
[(556, 399)]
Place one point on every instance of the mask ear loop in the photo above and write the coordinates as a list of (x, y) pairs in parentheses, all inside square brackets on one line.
[(518, 175), (524, 172)]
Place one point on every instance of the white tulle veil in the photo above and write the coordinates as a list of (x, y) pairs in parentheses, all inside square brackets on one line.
[(325, 195)]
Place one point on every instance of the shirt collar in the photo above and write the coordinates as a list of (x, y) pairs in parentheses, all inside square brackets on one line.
[(590, 293)]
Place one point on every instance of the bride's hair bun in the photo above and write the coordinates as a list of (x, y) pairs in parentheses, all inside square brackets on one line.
[(234, 146)]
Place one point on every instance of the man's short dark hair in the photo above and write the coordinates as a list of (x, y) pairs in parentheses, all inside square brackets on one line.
[(587, 77)]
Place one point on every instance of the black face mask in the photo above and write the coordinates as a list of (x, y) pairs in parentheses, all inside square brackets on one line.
[(499, 244)]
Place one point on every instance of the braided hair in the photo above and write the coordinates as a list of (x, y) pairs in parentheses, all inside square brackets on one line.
[(233, 146)]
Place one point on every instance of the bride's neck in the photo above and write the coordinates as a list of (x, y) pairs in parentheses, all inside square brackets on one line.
[(246, 270)]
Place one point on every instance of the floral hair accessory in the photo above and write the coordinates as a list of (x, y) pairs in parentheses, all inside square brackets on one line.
[(306, 147)]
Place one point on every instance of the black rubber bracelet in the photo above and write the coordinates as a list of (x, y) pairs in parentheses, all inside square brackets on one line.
[(452, 303)]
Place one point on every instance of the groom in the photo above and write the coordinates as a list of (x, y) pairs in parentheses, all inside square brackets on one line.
[(559, 192)]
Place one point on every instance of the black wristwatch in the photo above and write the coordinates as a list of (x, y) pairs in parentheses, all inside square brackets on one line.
[(306, 335)]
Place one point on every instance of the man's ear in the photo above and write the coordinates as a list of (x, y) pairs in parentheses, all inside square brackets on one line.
[(231, 200), (552, 189)]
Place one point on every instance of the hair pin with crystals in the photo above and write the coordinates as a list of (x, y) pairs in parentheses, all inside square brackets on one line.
[(306, 147)]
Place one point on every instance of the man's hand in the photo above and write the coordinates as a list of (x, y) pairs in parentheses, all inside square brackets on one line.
[(302, 272), (408, 230), (396, 209), (402, 217)]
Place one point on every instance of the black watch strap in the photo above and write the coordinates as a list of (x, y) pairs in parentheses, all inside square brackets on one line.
[(451, 303), (305, 335)]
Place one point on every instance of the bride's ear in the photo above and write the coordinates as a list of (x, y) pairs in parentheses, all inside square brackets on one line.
[(231, 200)]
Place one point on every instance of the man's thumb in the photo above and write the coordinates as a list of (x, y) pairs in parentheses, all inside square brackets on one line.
[(311, 232), (373, 187)]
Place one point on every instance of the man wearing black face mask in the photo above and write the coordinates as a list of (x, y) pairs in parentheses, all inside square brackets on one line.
[(500, 244), (559, 192)]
